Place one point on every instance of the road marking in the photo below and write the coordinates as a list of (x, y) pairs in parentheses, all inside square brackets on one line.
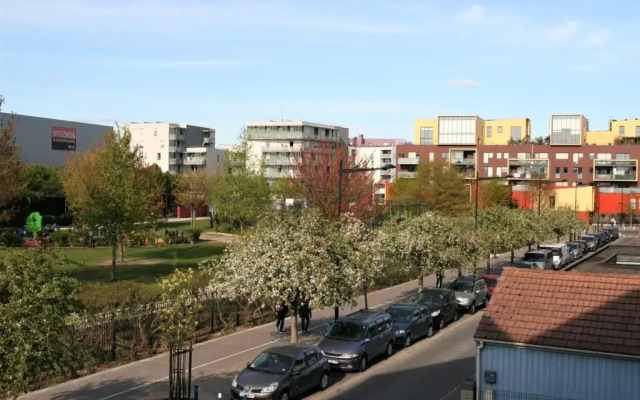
[(453, 390), (229, 356), (193, 369)]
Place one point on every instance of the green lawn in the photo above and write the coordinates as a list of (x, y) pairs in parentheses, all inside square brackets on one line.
[(202, 224), (141, 264)]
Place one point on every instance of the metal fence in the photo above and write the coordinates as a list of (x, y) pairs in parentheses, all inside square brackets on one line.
[(133, 332), (491, 394)]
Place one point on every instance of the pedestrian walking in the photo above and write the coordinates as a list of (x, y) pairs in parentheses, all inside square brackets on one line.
[(305, 316), (281, 311), (439, 278)]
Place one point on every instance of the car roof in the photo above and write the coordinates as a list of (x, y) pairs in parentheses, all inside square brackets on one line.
[(552, 245), (364, 315), (538, 251), (406, 305), (437, 290), (290, 349)]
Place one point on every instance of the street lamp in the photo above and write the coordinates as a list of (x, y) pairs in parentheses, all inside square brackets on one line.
[(353, 171), (493, 178)]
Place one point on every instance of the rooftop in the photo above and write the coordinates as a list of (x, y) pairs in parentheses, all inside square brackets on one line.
[(569, 310)]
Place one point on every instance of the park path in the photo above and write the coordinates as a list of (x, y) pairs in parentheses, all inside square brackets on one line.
[(216, 361)]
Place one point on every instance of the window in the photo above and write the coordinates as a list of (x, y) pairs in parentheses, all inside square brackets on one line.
[(498, 156), (426, 135), (579, 172), (623, 156), (592, 156), (505, 155), (591, 170), (445, 156), (431, 156), (562, 156), (490, 171), (516, 133), (159, 156), (632, 204), (312, 356), (371, 330), (457, 130), (485, 170), (557, 172), (621, 130), (489, 131), (499, 129), (565, 170), (315, 131), (300, 364), (566, 129), (637, 130)]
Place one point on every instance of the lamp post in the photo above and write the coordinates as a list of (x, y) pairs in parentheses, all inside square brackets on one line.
[(492, 178), (354, 171)]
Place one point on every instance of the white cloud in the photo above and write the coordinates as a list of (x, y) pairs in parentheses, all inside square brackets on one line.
[(173, 64), (599, 37), (462, 82), (475, 13)]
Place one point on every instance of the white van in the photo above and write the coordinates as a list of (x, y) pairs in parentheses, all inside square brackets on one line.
[(560, 252)]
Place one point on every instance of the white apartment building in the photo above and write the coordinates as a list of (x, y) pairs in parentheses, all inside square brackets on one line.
[(177, 148), (276, 145), (377, 153)]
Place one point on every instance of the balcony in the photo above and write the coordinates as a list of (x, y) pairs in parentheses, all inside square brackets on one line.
[(194, 161), (523, 169), (467, 171), (176, 136), (175, 161), (615, 170), (270, 173), (408, 161), (206, 141), (463, 161), (280, 161), (406, 174)]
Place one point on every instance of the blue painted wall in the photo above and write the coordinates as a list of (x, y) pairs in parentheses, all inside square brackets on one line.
[(562, 375)]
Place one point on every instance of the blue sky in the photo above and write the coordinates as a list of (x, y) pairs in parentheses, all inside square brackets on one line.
[(373, 66)]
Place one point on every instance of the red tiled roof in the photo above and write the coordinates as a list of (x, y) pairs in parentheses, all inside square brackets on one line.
[(581, 311)]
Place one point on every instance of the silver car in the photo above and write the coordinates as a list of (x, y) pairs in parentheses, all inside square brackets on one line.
[(471, 293)]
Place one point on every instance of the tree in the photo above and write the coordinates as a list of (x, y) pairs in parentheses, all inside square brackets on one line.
[(283, 188), (193, 189), (241, 197), (494, 193), (562, 221), (540, 194), (111, 192), (317, 179), (35, 302), (293, 260), (10, 178), (429, 243), (438, 185), (41, 181), (179, 319)]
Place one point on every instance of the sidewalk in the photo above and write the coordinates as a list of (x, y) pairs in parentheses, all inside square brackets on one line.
[(215, 362)]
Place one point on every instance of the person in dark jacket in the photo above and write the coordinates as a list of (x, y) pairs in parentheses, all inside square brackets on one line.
[(305, 316), (439, 278), (281, 311)]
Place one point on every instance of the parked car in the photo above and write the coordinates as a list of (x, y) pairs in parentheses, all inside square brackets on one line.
[(523, 264), (585, 246), (542, 258), (592, 242), (613, 230), (281, 373), (471, 293), (410, 322), (560, 253), (577, 249), (607, 236), (442, 303), (491, 281), (600, 237), (354, 340)]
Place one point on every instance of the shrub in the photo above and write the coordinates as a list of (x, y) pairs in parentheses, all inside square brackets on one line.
[(64, 220), (194, 233), (100, 296), (12, 239), (61, 238)]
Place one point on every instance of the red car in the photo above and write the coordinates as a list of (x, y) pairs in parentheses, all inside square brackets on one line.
[(492, 281)]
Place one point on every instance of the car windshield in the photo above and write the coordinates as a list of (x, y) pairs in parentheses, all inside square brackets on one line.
[(522, 264), (466, 287), (272, 363), (347, 331), (400, 314), (588, 239), (573, 245), (533, 257), (555, 252), (429, 298)]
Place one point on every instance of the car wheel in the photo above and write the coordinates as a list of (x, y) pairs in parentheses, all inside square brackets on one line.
[(442, 323), (284, 395), (407, 340), (324, 381), (472, 309), (456, 316), (430, 331), (363, 364), (389, 349)]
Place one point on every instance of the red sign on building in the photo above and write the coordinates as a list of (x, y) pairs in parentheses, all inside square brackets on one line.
[(63, 138)]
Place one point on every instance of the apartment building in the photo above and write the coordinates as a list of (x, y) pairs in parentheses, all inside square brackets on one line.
[(377, 153), (177, 148), (275, 146)]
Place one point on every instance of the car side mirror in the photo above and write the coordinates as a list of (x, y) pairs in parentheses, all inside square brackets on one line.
[(248, 364), (295, 373), (478, 291)]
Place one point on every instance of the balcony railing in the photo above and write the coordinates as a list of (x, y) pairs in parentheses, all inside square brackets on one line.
[(175, 161), (176, 136), (408, 161), (467, 173), (406, 174), (194, 161), (615, 177), (280, 161), (463, 161)]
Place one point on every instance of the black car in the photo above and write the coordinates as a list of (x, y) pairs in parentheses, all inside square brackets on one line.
[(613, 230), (608, 237), (442, 303), (410, 322), (281, 373)]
